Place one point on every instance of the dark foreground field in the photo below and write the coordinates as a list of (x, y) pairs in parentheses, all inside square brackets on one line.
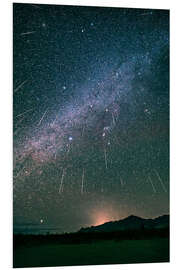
[(95, 252)]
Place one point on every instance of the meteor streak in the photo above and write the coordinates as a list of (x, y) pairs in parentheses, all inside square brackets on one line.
[(152, 184), (42, 117), (82, 183), (160, 180), (28, 33), (105, 158), (61, 184), (19, 86)]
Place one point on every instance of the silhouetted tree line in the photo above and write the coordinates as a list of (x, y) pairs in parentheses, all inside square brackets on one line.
[(89, 237)]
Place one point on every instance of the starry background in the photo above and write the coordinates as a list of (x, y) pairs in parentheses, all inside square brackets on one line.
[(91, 115)]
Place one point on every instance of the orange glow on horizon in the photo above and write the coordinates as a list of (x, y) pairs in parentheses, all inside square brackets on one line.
[(101, 217)]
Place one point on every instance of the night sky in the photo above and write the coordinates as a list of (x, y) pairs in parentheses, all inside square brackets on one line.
[(91, 115)]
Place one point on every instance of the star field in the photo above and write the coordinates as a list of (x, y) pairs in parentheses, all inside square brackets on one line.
[(91, 114)]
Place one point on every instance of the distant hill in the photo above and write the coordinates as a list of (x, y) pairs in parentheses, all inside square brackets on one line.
[(130, 223)]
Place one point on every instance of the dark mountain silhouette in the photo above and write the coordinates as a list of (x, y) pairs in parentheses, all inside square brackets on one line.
[(130, 223)]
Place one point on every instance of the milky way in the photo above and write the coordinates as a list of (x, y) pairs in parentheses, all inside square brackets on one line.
[(91, 115)]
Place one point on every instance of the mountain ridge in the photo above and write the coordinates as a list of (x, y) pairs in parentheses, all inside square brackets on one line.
[(130, 223)]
